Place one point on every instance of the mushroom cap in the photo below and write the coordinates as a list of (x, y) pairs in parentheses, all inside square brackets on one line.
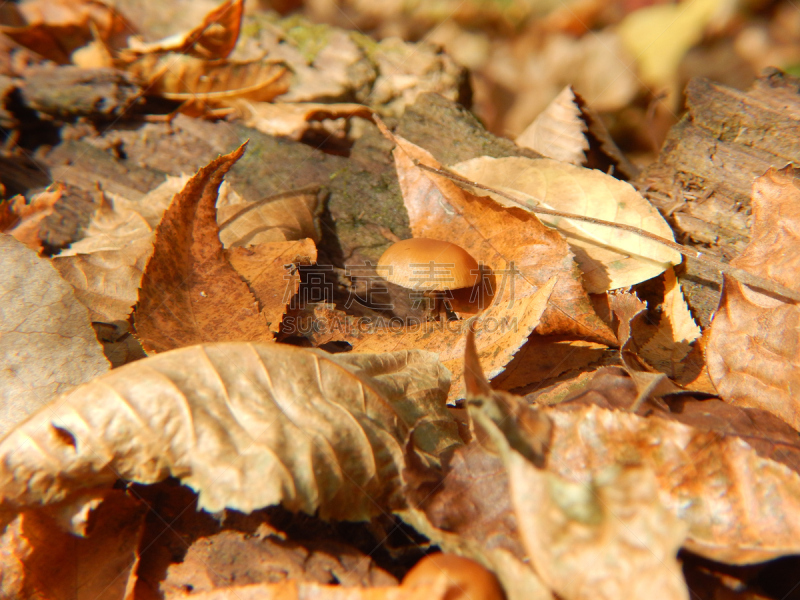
[(428, 265), (466, 579)]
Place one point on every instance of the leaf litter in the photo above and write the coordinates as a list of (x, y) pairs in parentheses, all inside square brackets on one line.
[(397, 439)]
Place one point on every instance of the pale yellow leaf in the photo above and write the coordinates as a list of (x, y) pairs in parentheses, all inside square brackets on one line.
[(609, 258), (658, 36), (245, 425)]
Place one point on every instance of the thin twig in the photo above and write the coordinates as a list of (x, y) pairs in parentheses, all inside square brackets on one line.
[(746, 277)]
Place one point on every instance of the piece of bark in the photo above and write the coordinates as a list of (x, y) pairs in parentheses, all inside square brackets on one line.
[(81, 163), (71, 215), (270, 166), (70, 92), (19, 173), (703, 178)]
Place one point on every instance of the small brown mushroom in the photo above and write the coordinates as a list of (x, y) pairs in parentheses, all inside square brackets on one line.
[(466, 579), (432, 267)]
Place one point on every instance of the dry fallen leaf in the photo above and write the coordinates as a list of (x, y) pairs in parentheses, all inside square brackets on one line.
[(775, 231), (56, 28), (609, 258), (270, 270), (606, 538), (47, 344), (545, 357), (499, 331), (558, 132), (287, 216), (739, 500), (632, 316), (740, 507), (182, 77), (613, 388), (94, 55), (469, 500), (214, 38), (190, 293), (669, 346), (753, 346), (106, 266), (22, 220), (292, 120), (37, 555), (246, 425), (753, 353), (153, 204), (465, 507), (518, 579)]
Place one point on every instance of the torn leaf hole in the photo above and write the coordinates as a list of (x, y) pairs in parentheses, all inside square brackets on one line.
[(65, 436)]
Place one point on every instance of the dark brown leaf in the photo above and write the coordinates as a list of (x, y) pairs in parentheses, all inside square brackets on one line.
[(190, 293)]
